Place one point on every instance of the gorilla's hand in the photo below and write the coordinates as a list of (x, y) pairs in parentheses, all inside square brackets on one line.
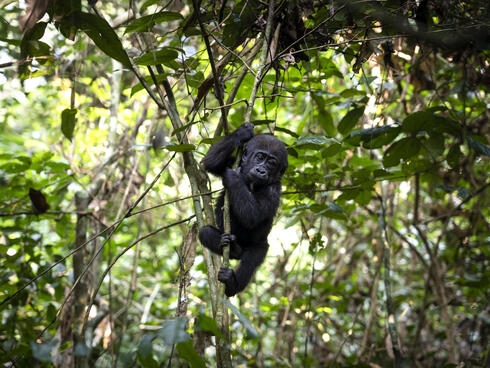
[(227, 239), (230, 240), (230, 176), (227, 277), (245, 132)]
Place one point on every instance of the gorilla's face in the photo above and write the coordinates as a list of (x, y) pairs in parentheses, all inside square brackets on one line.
[(264, 161)]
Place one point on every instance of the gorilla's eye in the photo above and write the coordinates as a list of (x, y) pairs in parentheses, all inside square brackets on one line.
[(260, 156), (272, 163)]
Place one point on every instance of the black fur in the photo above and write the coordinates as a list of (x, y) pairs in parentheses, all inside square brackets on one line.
[(254, 190)]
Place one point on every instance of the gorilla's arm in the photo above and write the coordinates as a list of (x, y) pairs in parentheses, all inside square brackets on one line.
[(220, 155)]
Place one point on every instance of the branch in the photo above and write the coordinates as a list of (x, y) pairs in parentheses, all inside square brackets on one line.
[(390, 308)]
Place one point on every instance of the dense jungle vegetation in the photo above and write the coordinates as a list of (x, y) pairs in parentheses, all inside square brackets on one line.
[(379, 254)]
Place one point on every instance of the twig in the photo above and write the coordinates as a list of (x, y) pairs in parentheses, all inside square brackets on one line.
[(217, 86), (390, 308)]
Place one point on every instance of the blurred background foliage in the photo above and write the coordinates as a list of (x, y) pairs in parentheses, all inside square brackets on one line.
[(379, 254)]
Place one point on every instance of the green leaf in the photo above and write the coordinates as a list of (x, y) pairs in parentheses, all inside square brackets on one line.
[(401, 150), (453, 156), (351, 92), (179, 147), (68, 119), (102, 34), (146, 345), (174, 331), (430, 122), (146, 23), (435, 145), (417, 121), (350, 120), (42, 351), (81, 349), (37, 32), (187, 352), (478, 146), (287, 131), (326, 121), (14, 167), (144, 352), (147, 4), (208, 324), (462, 193), (184, 127), (334, 211), (373, 137), (162, 56), (416, 165), (364, 197), (251, 331), (314, 141)]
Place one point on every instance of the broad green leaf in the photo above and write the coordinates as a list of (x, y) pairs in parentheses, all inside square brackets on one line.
[(453, 156), (146, 23), (174, 331), (180, 147), (416, 165), (351, 92), (148, 3), (187, 352), (146, 345), (14, 167), (81, 349), (332, 150), (68, 119), (161, 56), (334, 211), (42, 351), (478, 146), (37, 32), (208, 324), (251, 331), (462, 193), (435, 145), (364, 197), (210, 140), (287, 131), (195, 79), (184, 127), (326, 121), (144, 352), (314, 141), (430, 122), (417, 122), (350, 120), (102, 34), (401, 150), (375, 137)]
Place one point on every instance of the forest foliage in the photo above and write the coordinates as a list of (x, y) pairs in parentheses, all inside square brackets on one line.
[(379, 255)]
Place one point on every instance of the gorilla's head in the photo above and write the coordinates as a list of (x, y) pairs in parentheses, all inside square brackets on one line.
[(264, 160)]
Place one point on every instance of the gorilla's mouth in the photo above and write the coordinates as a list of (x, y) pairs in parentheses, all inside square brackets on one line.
[(257, 178)]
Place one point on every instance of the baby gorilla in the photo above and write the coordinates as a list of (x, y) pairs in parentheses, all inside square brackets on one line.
[(254, 191)]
